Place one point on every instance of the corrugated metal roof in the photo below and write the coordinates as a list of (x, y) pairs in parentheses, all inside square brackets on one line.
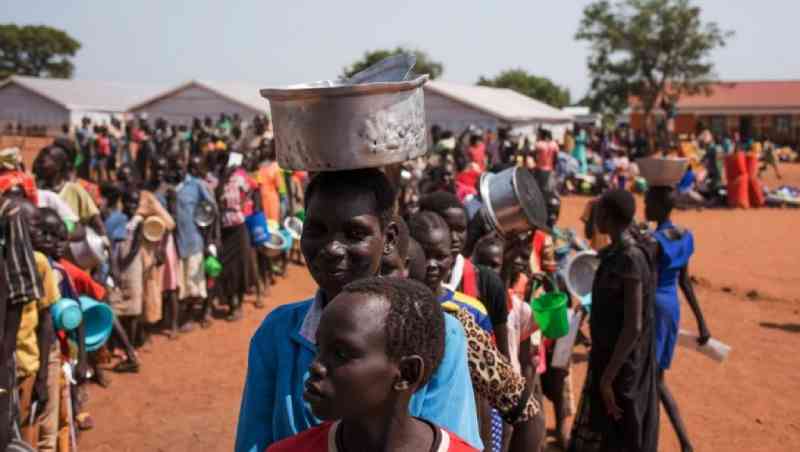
[(246, 94), (747, 94), (503, 103), (87, 94)]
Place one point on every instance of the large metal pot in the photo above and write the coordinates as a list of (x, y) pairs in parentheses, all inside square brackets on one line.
[(330, 126), (514, 201), (90, 252)]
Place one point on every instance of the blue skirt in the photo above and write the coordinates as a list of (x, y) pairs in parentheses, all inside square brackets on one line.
[(667, 322)]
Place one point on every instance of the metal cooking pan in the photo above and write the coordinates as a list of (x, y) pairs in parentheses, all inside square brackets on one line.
[(331, 126), (514, 201)]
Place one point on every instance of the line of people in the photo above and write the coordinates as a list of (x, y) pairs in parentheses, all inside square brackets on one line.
[(359, 367), (164, 243)]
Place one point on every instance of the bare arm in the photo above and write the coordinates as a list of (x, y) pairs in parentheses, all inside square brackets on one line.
[(688, 291), (528, 435), (501, 336), (97, 223)]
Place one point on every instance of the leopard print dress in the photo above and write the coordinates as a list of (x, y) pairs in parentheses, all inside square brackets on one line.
[(493, 376)]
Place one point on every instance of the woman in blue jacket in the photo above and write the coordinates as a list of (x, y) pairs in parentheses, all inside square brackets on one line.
[(348, 229)]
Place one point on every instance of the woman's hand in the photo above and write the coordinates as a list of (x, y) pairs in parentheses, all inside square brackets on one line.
[(704, 335), (607, 393)]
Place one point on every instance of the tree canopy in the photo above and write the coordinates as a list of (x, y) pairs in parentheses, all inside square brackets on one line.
[(539, 88), (652, 50), (36, 50), (425, 64)]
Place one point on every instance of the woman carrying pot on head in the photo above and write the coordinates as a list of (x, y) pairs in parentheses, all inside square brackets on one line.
[(618, 410), (675, 248), (348, 229)]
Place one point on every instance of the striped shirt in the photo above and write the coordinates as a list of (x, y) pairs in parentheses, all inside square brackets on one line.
[(24, 283)]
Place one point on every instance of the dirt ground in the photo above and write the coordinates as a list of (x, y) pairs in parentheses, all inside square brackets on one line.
[(747, 265)]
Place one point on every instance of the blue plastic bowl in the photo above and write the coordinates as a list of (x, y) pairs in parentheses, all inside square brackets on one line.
[(98, 319), (67, 314)]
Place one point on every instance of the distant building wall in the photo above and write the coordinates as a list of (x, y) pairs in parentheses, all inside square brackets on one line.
[(194, 101), (19, 105), (455, 116)]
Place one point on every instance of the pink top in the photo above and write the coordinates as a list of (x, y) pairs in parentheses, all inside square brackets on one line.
[(546, 154)]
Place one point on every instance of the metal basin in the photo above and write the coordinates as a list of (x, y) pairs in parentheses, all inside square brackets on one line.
[(514, 201), (579, 273), (90, 252), (329, 126), (204, 214)]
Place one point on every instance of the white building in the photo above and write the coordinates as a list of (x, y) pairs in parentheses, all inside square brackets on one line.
[(584, 116), (195, 98), (33, 101), (455, 106)]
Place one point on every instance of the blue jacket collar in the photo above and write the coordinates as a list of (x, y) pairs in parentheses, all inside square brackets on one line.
[(306, 332)]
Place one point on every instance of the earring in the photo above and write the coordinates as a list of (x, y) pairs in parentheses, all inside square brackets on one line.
[(401, 385)]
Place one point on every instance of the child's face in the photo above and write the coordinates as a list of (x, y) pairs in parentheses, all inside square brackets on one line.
[(490, 256), (53, 236), (130, 202), (456, 220), (435, 244), (352, 377), (518, 256)]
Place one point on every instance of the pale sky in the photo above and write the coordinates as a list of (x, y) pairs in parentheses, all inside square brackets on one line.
[(292, 41)]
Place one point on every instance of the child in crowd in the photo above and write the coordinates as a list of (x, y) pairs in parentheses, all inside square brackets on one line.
[(496, 383), (379, 341)]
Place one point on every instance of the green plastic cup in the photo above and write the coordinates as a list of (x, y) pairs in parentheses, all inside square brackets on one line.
[(550, 312)]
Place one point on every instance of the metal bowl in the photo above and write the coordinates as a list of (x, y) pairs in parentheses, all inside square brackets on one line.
[(514, 201), (662, 171), (580, 271), (294, 226), (275, 246), (90, 252), (204, 214), (330, 126)]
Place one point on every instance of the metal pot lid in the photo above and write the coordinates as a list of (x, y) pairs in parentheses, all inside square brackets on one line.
[(531, 199)]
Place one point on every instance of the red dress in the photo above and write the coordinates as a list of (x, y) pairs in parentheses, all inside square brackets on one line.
[(323, 438)]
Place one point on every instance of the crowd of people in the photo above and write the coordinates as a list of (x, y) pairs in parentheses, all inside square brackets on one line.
[(421, 333), (427, 221), (590, 161), (141, 191)]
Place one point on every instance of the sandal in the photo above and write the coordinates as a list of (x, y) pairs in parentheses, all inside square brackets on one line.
[(127, 366)]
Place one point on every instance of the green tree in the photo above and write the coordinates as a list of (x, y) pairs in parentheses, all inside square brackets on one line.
[(36, 50), (424, 65), (652, 50), (539, 88)]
